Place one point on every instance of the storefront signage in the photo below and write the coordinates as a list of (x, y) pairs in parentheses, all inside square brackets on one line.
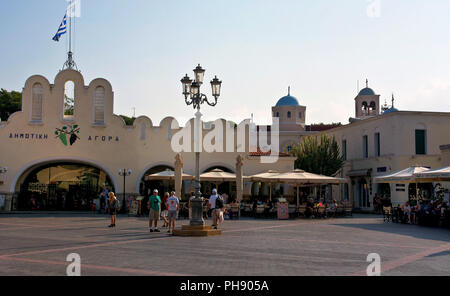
[(28, 136), (103, 139), (67, 135)]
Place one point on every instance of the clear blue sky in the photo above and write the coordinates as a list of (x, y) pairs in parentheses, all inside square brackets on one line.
[(257, 47)]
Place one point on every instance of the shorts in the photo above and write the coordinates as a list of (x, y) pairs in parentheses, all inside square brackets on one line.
[(172, 215), (113, 212), (215, 213), (154, 215), (164, 213)]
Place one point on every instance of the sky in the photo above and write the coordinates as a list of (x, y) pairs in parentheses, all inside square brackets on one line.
[(258, 48)]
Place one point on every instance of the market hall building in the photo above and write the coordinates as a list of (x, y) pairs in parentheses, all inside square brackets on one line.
[(66, 144)]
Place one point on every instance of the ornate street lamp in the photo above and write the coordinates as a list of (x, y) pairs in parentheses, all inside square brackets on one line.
[(194, 97), (125, 173)]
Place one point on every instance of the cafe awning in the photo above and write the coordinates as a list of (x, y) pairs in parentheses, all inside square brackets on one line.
[(404, 176), (441, 174)]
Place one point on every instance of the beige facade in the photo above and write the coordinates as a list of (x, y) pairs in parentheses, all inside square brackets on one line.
[(387, 143), (30, 138)]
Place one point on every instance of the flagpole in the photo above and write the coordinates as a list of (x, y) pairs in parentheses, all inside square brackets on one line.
[(70, 63)]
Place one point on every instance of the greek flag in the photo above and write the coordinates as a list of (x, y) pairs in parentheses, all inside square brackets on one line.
[(62, 29)]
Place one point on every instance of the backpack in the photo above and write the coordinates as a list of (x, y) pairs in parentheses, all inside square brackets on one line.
[(219, 203), (117, 205)]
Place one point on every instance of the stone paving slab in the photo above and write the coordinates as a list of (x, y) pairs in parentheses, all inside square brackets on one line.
[(38, 245)]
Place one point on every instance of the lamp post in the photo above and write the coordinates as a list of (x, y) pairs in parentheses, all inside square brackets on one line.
[(194, 97), (125, 173)]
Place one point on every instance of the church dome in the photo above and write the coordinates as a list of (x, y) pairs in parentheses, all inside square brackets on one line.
[(288, 100), (390, 110), (366, 92)]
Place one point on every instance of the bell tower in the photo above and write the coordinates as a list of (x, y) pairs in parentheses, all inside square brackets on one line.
[(367, 103)]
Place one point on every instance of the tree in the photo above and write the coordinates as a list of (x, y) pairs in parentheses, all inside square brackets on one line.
[(128, 120), (10, 102), (322, 158)]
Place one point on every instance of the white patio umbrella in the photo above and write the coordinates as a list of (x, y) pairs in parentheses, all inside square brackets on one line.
[(441, 174), (300, 177), (268, 177), (167, 175), (218, 176)]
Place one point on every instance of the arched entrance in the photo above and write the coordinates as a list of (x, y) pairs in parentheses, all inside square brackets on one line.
[(147, 186), (62, 186)]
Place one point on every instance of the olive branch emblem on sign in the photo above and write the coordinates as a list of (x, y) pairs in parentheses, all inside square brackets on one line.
[(70, 131)]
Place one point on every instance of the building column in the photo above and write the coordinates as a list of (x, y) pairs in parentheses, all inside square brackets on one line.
[(178, 175), (239, 178)]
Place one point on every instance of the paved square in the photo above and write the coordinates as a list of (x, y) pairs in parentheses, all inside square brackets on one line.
[(38, 244)]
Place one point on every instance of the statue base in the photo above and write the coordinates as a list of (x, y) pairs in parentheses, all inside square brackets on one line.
[(200, 230)]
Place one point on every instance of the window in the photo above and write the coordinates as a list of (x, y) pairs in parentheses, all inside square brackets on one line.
[(377, 144), (289, 148), (344, 149), (300, 115), (365, 147), (277, 114), (99, 105), (37, 102), (69, 100), (421, 147), (289, 114)]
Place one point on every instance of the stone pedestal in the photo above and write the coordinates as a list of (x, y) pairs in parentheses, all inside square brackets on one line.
[(200, 230)]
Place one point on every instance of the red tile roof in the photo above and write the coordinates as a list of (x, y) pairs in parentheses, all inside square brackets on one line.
[(259, 152)]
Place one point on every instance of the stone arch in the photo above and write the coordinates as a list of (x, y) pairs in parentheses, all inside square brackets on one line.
[(148, 168), (219, 165), (23, 173)]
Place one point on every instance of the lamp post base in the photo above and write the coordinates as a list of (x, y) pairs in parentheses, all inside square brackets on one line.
[(197, 212), (201, 230)]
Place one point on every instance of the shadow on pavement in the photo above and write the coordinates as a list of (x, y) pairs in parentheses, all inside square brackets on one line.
[(416, 231)]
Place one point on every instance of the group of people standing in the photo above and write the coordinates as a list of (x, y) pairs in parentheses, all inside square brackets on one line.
[(167, 208)]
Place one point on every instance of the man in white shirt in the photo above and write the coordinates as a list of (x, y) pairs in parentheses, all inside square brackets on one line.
[(173, 204), (212, 205)]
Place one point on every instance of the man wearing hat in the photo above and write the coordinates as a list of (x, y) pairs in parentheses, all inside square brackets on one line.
[(154, 203), (216, 204)]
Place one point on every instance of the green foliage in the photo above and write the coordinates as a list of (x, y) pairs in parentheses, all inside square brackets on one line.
[(10, 102), (128, 120), (322, 158)]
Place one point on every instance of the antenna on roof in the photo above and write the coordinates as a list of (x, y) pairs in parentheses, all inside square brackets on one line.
[(367, 83), (289, 90), (393, 100)]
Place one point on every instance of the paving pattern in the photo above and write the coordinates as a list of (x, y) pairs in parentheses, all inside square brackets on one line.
[(38, 244)]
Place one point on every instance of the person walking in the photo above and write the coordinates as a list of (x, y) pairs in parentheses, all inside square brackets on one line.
[(216, 204), (113, 206), (173, 204), (164, 211), (154, 204)]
